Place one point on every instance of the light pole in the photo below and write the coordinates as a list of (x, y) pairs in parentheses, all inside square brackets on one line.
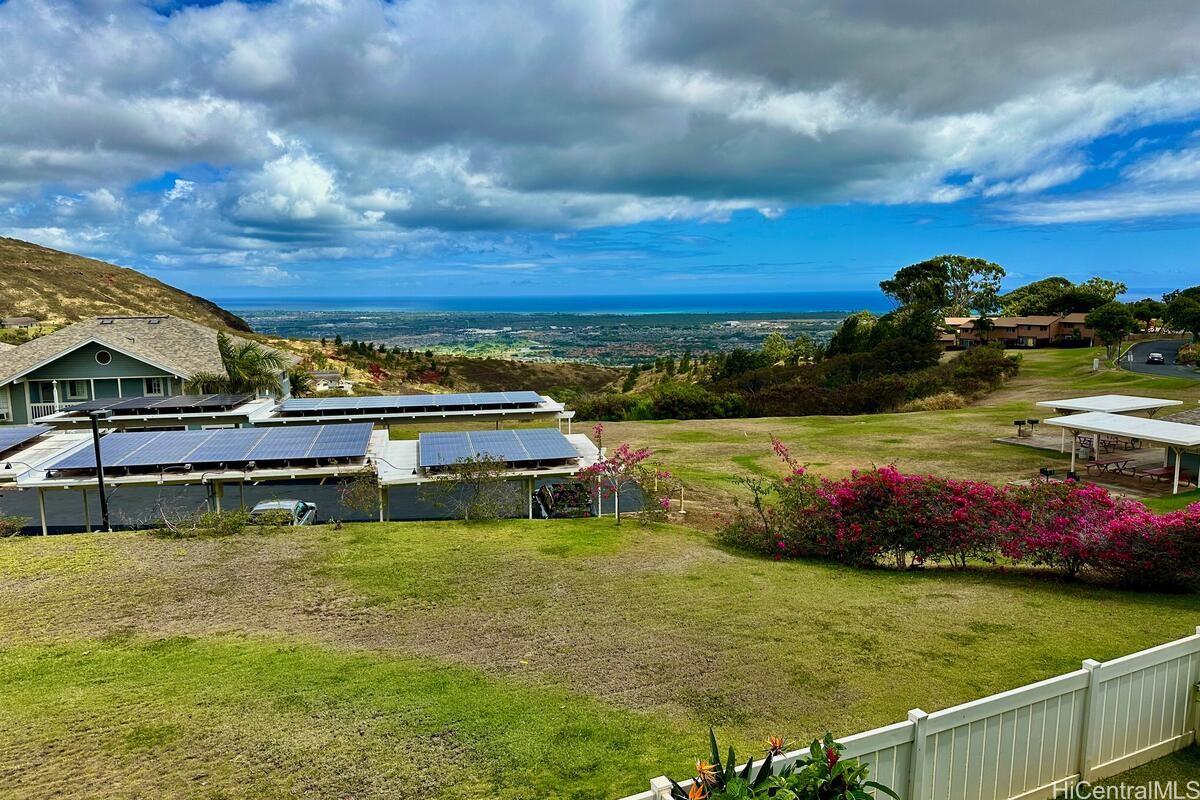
[(95, 417)]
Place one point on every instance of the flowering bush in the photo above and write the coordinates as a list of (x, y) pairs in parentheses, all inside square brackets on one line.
[(625, 467), (883, 515), (1144, 550), (1062, 523)]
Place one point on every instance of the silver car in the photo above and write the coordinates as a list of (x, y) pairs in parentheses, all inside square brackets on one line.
[(301, 513)]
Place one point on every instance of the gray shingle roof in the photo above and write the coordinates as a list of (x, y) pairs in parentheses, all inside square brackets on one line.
[(177, 345)]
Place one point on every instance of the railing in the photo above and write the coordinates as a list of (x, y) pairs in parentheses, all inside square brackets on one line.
[(1037, 741), (37, 410)]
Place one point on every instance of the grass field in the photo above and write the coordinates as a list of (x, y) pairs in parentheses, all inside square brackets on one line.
[(565, 659), (571, 659), (957, 443)]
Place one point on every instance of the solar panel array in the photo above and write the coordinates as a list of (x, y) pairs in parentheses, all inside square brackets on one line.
[(178, 404), (408, 404), (512, 447), (231, 448), (13, 436)]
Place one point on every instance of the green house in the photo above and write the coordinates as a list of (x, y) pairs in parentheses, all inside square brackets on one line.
[(105, 357)]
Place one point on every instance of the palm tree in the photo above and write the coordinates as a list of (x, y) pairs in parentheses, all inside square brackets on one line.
[(250, 368), (301, 382)]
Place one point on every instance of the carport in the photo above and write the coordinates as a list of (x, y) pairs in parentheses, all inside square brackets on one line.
[(1175, 437)]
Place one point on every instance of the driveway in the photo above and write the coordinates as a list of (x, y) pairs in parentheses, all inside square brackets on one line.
[(1135, 359)]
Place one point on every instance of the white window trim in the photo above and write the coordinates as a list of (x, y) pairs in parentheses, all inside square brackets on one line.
[(69, 395), (162, 387), (103, 352)]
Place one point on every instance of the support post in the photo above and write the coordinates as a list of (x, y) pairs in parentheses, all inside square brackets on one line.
[(917, 789), (1074, 448), (1178, 464), (218, 490), (242, 494), (382, 502), (1063, 447), (87, 515), (660, 788), (42, 510), (529, 487), (1089, 752)]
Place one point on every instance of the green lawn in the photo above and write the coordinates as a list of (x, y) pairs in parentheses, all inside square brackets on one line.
[(706, 454), (571, 659)]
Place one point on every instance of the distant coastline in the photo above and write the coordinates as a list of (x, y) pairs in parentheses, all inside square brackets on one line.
[(740, 303)]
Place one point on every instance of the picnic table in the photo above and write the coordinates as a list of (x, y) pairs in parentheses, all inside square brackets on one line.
[(1158, 474), (1117, 465)]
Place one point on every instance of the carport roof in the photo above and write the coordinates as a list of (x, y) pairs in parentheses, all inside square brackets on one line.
[(1175, 434)]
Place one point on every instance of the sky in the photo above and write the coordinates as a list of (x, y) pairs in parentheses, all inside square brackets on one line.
[(341, 148)]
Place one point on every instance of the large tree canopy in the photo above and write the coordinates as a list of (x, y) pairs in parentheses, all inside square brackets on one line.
[(1183, 310), (1060, 296), (949, 284)]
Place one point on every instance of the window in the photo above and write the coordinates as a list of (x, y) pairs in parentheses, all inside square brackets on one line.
[(77, 390), (153, 387), (103, 357)]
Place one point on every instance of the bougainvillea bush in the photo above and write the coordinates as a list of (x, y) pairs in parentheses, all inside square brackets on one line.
[(883, 516)]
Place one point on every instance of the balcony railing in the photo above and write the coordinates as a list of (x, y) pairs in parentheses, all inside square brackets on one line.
[(37, 410)]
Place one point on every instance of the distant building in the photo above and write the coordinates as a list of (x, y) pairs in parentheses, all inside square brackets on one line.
[(1063, 330), (325, 380), (19, 322), (105, 357)]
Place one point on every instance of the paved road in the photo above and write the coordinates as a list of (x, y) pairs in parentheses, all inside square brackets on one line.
[(1169, 348)]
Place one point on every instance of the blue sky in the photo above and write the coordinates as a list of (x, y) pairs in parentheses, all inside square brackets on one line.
[(324, 148)]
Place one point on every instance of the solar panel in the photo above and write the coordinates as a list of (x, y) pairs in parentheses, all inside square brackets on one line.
[(12, 436), (512, 447), (408, 404), (342, 441), (231, 447), (181, 403)]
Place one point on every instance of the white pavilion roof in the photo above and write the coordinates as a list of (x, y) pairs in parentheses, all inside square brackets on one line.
[(1176, 434), (1110, 403)]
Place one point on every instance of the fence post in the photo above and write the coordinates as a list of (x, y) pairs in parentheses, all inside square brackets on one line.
[(917, 789), (1089, 744), (660, 788)]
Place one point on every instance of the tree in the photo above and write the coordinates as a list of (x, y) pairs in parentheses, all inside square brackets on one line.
[(476, 489), (1051, 296), (1146, 311), (1182, 312), (949, 284), (631, 378), (300, 382), (250, 368), (1112, 322), (776, 348), (616, 472)]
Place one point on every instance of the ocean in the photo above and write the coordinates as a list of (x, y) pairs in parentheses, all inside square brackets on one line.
[(759, 303)]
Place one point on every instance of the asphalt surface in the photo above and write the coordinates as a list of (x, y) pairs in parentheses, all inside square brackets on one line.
[(1169, 348)]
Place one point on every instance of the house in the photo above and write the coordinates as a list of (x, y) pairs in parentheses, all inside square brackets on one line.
[(325, 380), (105, 357), (1028, 332), (19, 322)]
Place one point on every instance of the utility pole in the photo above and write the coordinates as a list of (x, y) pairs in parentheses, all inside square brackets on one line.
[(95, 417)]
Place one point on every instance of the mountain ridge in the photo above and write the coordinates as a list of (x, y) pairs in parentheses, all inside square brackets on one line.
[(59, 287)]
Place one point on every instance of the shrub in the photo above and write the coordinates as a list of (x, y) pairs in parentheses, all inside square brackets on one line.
[(1143, 550), (1189, 354), (818, 774), (942, 401), (203, 523), (11, 526), (884, 515), (1062, 523)]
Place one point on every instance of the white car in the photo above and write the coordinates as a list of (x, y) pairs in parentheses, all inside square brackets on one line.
[(302, 513)]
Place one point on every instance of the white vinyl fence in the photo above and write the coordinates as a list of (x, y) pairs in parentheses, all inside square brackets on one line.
[(1038, 740)]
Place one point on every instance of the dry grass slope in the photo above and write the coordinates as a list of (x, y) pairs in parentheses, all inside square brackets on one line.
[(60, 287)]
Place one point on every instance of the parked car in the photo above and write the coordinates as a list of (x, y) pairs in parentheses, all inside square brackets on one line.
[(300, 512), (1155, 358)]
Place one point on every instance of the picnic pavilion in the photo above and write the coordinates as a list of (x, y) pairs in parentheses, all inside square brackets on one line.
[(1106, 404), (1111, 430)]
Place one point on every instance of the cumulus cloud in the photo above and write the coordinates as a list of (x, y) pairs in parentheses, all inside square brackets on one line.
[(363, 128)]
